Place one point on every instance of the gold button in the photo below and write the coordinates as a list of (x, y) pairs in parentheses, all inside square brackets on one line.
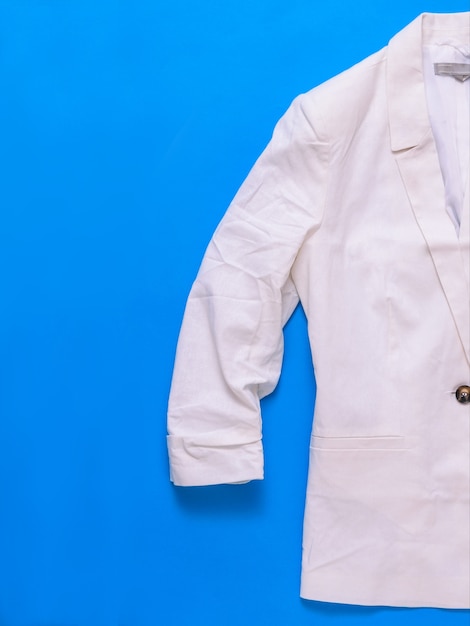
[(463, 394)]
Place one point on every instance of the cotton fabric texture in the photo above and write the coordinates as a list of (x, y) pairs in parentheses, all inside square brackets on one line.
[(359, 209)]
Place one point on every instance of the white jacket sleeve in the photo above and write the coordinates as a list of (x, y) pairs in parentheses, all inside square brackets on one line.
[(230, 347)]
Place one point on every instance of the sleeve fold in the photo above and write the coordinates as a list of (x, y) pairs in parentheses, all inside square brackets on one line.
[(230, 348)]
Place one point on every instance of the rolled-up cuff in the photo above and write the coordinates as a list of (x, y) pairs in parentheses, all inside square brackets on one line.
[(214, 460)]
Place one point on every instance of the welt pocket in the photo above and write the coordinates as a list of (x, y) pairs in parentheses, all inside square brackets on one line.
[(359, 443)]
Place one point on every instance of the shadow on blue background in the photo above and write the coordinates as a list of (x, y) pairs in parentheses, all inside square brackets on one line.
[(127, 127)]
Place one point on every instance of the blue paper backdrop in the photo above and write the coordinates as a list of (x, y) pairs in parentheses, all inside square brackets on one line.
[(126, 128)]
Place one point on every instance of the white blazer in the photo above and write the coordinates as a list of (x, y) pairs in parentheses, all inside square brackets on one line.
[(359, 208)]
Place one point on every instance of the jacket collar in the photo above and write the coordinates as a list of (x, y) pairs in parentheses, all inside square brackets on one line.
[(408, 112), (415, 150)]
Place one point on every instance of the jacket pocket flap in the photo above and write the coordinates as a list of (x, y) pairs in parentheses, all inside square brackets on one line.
[(360, 443)]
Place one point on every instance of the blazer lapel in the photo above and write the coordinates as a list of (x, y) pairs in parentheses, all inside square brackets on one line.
[(464, 234), (415, 150)]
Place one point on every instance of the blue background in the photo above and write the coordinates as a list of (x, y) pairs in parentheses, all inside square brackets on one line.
[(126, 128)]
